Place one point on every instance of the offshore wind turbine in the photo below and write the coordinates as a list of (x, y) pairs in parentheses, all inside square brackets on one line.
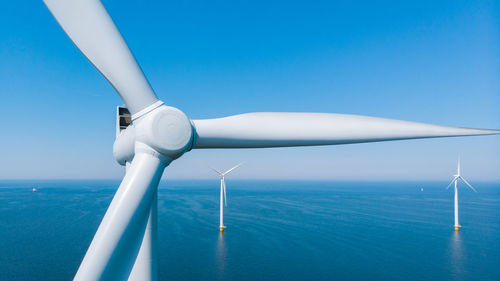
[(223, 194), (455, 181), (124, 246)]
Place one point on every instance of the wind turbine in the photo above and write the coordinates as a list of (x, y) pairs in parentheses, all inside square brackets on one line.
[(124, 246), (223, 193), (455, 181)]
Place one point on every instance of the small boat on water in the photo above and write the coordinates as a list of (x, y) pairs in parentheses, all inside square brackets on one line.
[(34, 189)]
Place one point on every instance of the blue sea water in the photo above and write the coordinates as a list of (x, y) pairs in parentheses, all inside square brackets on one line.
[(277, 230)]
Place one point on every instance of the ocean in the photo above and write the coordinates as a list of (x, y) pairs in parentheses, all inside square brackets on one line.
[(276, 230)]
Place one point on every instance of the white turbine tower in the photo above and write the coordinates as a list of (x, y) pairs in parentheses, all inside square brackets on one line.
[(223, 194), (455, 181), (124, 246)]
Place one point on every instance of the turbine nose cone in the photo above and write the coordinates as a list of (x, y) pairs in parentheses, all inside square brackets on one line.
[(167, 130)]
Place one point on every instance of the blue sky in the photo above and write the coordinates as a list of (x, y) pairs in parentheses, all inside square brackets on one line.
[(427, 61)]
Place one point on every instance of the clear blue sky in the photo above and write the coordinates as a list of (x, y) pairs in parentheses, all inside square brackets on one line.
[(427, 61)]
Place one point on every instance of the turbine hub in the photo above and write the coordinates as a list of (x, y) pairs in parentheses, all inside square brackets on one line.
[(165, 129)]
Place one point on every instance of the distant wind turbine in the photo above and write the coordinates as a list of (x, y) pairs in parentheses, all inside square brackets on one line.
[(223, 193), (455, 181)]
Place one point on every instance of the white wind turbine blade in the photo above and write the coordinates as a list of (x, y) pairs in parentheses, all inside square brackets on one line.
[(452, 181), (228, 171), (225, 200), (458, 168), (467, 183), (215, 170), (272, 129), (92, 30), (116, 243)]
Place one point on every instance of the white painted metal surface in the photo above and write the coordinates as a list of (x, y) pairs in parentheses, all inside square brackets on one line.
[(124, 146), (223, 198), (92, 30), (273, 129), (146, 265), (116, 243), (454, 182), (456, 206), (221, 211)]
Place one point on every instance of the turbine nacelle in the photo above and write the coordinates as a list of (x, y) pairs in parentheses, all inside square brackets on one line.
[(124, 146)]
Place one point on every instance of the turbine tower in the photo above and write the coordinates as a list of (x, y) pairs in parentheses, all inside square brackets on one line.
[(455, 181), (223, 194), (124, 246)]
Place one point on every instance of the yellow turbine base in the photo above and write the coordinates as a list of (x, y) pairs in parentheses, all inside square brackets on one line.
[(457, 228), (221, 229)]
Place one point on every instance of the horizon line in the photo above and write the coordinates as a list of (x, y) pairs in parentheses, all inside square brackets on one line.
[(250, 179)]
